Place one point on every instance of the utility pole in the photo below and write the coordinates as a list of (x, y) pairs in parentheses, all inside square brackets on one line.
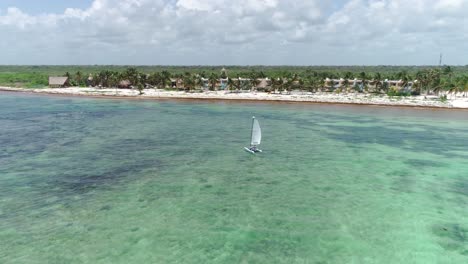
[(440, 60)]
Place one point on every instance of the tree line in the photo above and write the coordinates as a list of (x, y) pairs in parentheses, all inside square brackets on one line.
[(423, 81)]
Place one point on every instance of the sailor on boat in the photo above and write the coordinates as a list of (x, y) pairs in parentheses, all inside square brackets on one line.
[(254, 149)]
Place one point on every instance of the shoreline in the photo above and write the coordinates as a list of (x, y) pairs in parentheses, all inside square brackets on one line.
[(320, 98)]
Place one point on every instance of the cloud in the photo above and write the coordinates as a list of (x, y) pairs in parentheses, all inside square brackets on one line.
[(237, 32)]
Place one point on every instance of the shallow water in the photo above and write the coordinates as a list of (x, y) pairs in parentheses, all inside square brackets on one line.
[(115, 181)]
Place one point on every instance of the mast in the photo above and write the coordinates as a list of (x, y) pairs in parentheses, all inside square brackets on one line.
[(251, 130)]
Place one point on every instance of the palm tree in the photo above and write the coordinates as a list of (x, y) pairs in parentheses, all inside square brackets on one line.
[(276, 83), (461, 85), (378, 81), (385, 87), (189, 82), (79, 78), (132, 75), (203, 74), (165, 79), (306, 83), (321, 82), (404, 77), (213, 80), (96, 80), (282, 84), (287, 85), (346, 83), (294, 81), (114, 79), (104, 78), (154, 79), (230, 84), (237, 83), (434, 79), (464, 83), (198, 81), (144, 80), (347, 76), (364, 78), (316, 83), (253, 81), (448, 71), (140, 88), (422, 78)]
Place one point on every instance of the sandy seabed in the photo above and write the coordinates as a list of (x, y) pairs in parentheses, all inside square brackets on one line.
[(341, 98)]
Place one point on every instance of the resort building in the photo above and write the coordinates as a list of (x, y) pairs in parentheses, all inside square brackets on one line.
[(222, 83), (125, 84), (263, 83), (337, 83), (58, 82), (205, 83), (90, 81), (177, 83)]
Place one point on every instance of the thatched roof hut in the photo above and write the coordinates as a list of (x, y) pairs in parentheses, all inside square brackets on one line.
[(125, 84), (177, 83), (58, 82), (90, 80), (263, 83)]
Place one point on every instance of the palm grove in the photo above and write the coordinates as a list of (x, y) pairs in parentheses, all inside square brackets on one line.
[(430, 79), (424, 81)]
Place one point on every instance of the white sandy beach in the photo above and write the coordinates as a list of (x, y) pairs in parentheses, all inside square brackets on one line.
[(341, 98)]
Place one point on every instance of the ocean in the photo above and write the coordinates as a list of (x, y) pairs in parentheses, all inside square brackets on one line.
[(86, 180)]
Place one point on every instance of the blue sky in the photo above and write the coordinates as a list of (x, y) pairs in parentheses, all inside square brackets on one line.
[(44, 6), (227, 32)]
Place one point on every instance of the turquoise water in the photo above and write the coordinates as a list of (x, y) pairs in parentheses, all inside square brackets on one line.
[(115, 181)]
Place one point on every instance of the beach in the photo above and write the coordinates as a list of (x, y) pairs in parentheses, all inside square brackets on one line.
[(320, 97)]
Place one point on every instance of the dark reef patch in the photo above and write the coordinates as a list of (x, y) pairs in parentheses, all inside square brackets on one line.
[(419, 163), (402, 181), (426, 141), (79, 182), (452, 236), (461, 187)]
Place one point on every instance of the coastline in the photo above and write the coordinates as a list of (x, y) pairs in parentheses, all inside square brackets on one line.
[(324, 98)]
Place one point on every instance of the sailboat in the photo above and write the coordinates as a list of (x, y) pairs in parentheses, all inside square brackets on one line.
[(255, 138)]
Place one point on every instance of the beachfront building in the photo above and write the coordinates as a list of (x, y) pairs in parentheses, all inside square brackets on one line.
[(205, 83), (263, 83), (338, 83), (332, 83), (124, 84), (90, 81), (177, 83), (222, 84), (244, 83), (58, 82), (224, 73)]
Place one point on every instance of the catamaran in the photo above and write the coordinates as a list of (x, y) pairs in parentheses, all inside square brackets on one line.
[(255, 138)]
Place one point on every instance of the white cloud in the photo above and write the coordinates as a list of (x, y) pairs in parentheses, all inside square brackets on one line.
[(238, 32)]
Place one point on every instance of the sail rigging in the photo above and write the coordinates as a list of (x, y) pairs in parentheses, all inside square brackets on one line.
[(256, 137)]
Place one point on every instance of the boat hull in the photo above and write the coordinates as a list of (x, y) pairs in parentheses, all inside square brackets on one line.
[(251, 151)]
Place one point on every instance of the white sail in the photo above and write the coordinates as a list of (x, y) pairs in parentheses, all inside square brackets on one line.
[(256, 133)]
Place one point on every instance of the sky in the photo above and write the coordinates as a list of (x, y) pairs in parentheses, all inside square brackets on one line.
[(233, 32)]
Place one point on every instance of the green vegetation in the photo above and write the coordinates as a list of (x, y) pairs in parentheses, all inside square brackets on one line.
[(23, 79), (430, 79), (443, 98), (395, 92)]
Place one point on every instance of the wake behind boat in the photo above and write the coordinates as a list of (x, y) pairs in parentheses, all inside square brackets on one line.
[(255, 137)]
